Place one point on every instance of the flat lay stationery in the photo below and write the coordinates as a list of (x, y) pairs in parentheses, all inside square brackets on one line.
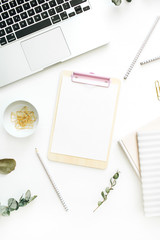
[(73, 103), (84, 119)]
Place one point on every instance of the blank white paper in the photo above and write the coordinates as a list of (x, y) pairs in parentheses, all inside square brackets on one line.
[(84, 120)]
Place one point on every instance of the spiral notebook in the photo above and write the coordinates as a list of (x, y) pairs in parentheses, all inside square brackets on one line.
[(130, 146), (84, 119), (149, 156)]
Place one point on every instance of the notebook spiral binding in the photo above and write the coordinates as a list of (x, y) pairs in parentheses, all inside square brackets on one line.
[(59, 195), (150, 60), (141, 48)]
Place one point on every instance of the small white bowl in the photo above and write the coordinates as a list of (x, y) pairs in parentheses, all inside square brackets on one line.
[(10, 126)]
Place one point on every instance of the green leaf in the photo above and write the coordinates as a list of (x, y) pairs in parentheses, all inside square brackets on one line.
[(7, 165), (23, 202), (5, 211), (21, 198), (117, 2), (12, 204), (102, 193), (107, 190), (105, 197), (28, 195), (10, 201), (113, 183), (2, 208), (32, 198), (116, 175), (99, 203)]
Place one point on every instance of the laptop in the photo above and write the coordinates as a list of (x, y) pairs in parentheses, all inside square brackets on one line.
[(35, 34)]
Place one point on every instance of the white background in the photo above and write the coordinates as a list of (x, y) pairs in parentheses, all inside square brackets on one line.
[(121, 217)]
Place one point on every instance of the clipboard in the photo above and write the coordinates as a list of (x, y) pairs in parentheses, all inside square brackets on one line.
[(84, 119)]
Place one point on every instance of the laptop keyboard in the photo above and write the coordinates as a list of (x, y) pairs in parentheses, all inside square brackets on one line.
[(19, 18)]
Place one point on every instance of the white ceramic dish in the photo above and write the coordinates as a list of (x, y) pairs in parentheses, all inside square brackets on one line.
[(10, 126)]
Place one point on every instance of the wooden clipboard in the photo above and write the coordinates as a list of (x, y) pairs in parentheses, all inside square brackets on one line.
[(84, 96)]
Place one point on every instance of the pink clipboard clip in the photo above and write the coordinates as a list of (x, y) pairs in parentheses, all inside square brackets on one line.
[(90, 79)]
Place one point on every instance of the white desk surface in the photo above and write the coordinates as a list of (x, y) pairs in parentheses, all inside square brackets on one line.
[(121, 216)]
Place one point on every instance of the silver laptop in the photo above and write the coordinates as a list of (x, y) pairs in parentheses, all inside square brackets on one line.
[(35, 34)]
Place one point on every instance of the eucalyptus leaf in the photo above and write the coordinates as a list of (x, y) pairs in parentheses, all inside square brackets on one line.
[(28, 195), (7, 165), (116, 175), (2, 208), (23, 202), (113, 183), (105, 197), (107, 190), (10, 201), (102, 193), (99, 203), (12, 204), (21, 198), (117, 2), (32, 198), (5, 211)]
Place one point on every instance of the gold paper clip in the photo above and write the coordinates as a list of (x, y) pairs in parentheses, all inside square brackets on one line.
[(157, 89)]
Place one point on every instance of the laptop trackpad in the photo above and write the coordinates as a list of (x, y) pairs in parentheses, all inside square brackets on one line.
[(45, 49)]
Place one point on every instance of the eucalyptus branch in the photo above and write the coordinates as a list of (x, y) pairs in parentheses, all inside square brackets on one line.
[(108, 189), (14, 205)]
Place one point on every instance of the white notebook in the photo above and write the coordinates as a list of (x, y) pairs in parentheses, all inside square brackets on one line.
[(83, 122), (129, 143), (149, 156)]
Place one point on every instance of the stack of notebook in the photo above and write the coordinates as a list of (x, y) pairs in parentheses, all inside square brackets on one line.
[(143, 151)]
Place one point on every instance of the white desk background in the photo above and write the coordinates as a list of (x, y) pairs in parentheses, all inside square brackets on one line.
[(121, 216)]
